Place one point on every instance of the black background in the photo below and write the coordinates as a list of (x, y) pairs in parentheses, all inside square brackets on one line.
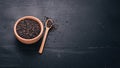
[(87, 34)]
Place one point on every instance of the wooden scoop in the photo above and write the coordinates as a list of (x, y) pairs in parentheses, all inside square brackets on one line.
[(48, 25)]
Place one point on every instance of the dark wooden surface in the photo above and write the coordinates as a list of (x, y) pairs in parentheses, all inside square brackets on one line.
[(87, 34)]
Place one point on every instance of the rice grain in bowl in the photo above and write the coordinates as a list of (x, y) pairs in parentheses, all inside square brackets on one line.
[(28, 29)]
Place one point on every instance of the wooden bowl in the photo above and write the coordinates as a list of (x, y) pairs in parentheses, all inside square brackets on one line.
[(33, 40)]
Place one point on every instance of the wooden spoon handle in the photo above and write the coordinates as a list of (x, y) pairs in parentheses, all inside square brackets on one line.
[(43, 41)]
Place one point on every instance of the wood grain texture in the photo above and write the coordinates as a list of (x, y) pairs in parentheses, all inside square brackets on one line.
[(87, 35)]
